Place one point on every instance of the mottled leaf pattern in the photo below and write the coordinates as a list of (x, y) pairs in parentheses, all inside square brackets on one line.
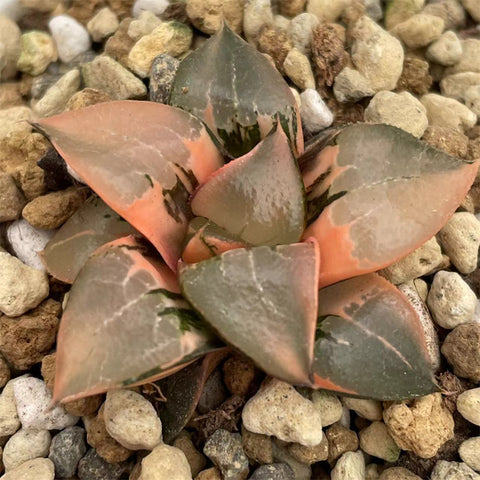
[(375, 195), (125, 323), (90, 227), (144, 159), (370, 342), (236, 91), (262, 300), (259, 197)]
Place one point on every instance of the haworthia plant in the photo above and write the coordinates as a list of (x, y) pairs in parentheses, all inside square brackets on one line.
[(266, 244)]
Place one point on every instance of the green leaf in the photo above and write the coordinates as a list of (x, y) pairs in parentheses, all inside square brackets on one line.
[(124, 324), (258, 198), (370, 342), (90, 227), (236, 91), (263, 301), (143, 159), (375, 194)]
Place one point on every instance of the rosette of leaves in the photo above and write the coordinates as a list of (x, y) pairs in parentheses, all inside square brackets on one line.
[(272, 252)]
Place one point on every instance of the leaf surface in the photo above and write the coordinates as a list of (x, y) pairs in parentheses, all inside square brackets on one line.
[(143, 159), (263, 301), (259, 197), (94, 224), (370, 342), (376, 194), (125, 323), (237, 92)]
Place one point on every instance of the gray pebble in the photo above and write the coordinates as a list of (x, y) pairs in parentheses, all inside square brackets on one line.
[(163, 73), (275, 471), (94, 467), (444, 470), (66, 450)]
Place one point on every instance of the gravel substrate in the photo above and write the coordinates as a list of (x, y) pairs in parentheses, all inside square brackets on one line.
[(414, 64)]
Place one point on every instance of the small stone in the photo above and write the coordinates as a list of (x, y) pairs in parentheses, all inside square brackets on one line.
[(316, 116), (351, 86), (444, 470), (38, 51), (94, 467), (300, 31), (327, 10), (451, 301), (172, 38), (398, 473), (208, 15), (99, 438), (21, 287), (162, 75), (364, 407), (291, 8), (258, 448), (401, 110), (457, 84), (25, 445), (131, 420), (415, 76), (12, 9), (256, 14), (55, 99), (103, 24), (472, 98), (350, 466), (376, 54), (461, 348), (37, 469), (157, 7), (10, 95), (52, 210), (31, 179), (4, 372), (340, 440), (108, 76), (460, 239), (447, 112), (26, 242), (419, 30), (85, 98), (450, 11), (298, 69), (239, 375), (469, 452), (146, 23), (447, 50), (11, 199), (422, 427), (275, 43), (33, 400), (10, 47), (209, 474), (375, 440), (165, 463), (66, 450), (118, 46), (470, 59), (278, 409), (329, 406), (9, 421), (450, 140), (418, 263), (275, 471), (399, 11), (309, 455), (282, 455), (195, 459), (473, 8), (70, 36), (42, 6)]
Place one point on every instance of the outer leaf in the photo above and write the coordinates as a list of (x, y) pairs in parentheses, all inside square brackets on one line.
[(259, 197), (94, 224), (143, 158), (375, 184), (206, 240), (125, 323), (370, 342), (262, 300), (237, 92)]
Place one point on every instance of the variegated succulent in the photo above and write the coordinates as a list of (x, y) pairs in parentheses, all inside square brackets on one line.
[(212, 225)]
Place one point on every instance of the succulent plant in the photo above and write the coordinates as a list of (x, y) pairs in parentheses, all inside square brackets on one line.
[(213, 224)]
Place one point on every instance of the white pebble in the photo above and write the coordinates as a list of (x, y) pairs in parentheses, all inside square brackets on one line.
[(300, 31), (468, 405), (11, 9), (278, 409), (315, 114), (103, 24), (444, 470), (9, 421), (446, 51), (37, 469), (27, 242), (375, 440), (157, 7), (25, 445), (33, 399), (131, 420), (329, 406), (70, 36), (257, 13), (350, 466), (365, 408), (451, 301), (165, 463), (469, 452)]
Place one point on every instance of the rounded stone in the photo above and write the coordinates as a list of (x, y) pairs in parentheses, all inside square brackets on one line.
[(316, 115), (66, 450), (444, 470), (468, 405), (208, 15), (350, 86), (25, 445), (37, 52), (377, 441), (469, 452), (446, 50), (70, 36), (37, 469), (364, 407), (165, 463), (10, 47), (420, 30), (351, 465)]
